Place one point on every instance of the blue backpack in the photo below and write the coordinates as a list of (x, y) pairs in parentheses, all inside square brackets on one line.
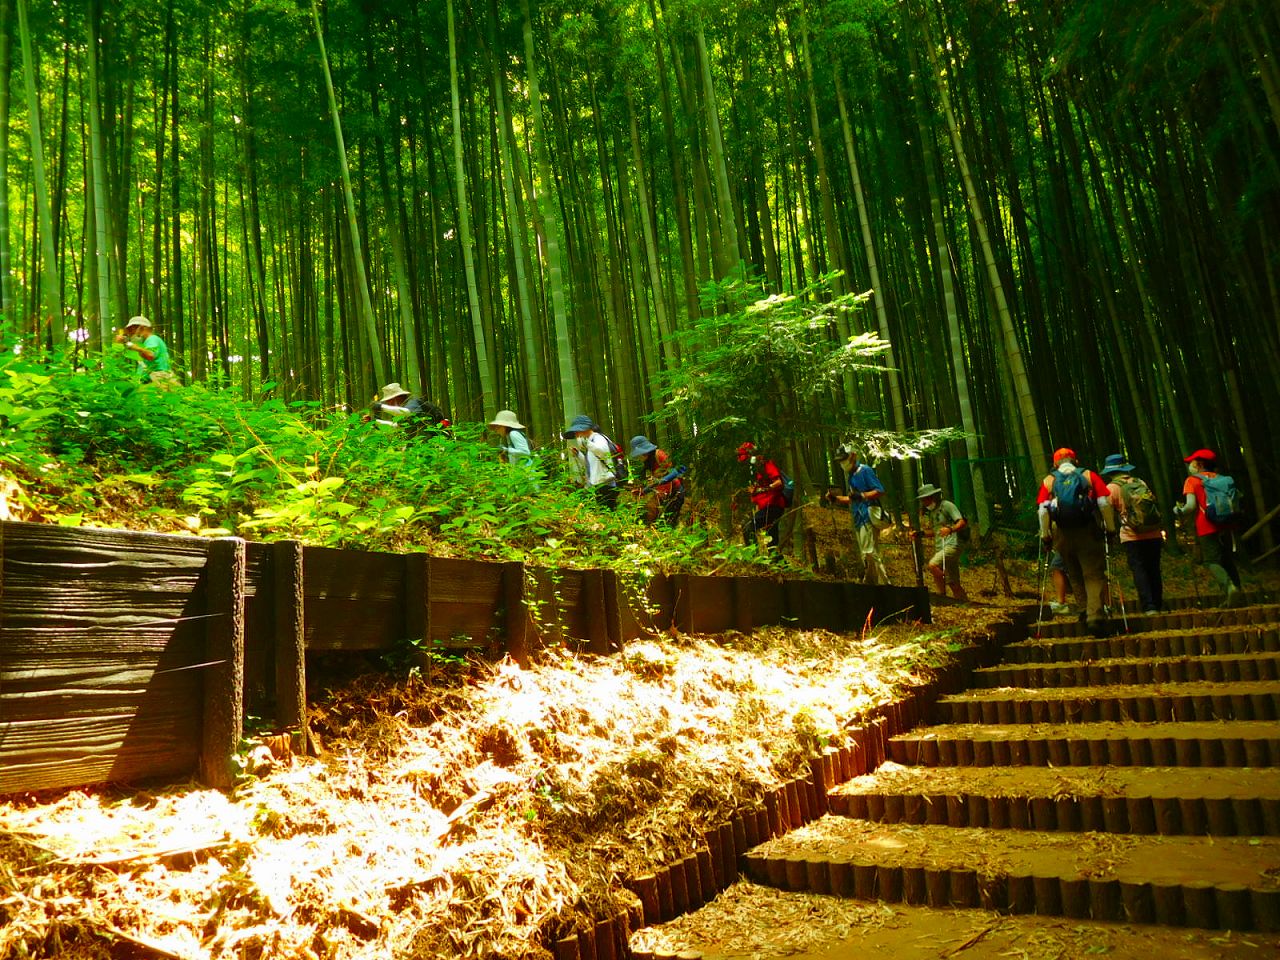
[(1073, 501), (1221, 500)]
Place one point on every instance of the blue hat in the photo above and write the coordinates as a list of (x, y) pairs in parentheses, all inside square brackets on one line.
[(580, 422), (641, 447), (1116, 463)]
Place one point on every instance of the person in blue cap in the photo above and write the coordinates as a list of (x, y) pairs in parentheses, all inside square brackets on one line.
[(1141, 529), (592, 458), (664, 490)]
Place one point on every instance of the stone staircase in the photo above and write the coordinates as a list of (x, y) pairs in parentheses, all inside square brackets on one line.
[(1129, 778)]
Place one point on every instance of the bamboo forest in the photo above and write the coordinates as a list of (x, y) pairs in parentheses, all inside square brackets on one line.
[(1057, 210), (637, 479)]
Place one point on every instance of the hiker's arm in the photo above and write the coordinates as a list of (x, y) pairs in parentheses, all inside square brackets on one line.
[(1187, 507), (146, 354)]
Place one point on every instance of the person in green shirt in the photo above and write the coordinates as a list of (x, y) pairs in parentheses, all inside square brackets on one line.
[(152, 351)]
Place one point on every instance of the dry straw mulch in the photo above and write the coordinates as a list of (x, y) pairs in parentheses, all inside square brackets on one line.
[(477, 818)]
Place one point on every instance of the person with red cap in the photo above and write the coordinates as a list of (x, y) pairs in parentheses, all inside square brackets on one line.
[(767, 496), (1213, 530), (1075, 513)]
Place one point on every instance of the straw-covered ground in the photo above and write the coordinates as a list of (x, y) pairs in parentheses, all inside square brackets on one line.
[(480, 815), (477, 817)]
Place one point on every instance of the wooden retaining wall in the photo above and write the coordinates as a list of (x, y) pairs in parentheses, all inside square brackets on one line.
[(127, 656)]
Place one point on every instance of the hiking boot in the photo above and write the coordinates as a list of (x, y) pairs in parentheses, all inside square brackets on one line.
[(1058, 609), (1098, 628), (1235, 596)]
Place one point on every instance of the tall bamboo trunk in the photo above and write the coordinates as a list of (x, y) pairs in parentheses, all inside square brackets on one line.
[(6, 283), (51, 287), (483, 364), (570, 397), (729, 254), (1019, 381), (357, 251), (101, 258)]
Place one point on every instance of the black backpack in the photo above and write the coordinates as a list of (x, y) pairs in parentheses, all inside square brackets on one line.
[(619, 467), (1074, 505)]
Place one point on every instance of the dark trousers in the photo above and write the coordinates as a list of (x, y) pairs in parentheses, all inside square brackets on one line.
[(766, 519), (1219, 550), (1144, 562), (606, 495)]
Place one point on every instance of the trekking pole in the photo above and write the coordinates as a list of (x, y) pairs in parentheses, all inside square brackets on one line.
[(1112, 585), (1041, 568)]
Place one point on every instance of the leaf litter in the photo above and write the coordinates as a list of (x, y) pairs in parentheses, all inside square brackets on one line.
[(481, 817)]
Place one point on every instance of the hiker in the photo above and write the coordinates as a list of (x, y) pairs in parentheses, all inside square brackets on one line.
[(1058, 574), (768, 495), (1141, 531), (396, 405), (593, 459), (664, 487), (863, 491), (949, 527), (1211, 497), (1071, 502), (152, 351), (514, 446)]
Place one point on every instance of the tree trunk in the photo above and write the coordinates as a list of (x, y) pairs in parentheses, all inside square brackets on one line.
[(357, 252)]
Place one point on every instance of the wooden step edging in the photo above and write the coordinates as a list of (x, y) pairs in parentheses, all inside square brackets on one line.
[(1090, 708), (722, 853), (1182, 620), (1118, 751), (1251, 639), (1190, 904), (1215, 668)]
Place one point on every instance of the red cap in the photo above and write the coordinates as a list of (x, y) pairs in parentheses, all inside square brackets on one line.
[(1201, 454), (745, 451), (1063, 453)]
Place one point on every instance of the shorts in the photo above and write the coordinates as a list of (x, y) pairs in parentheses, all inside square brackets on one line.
[(1055, 562)]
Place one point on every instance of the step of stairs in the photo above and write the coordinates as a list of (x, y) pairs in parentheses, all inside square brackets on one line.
[(1143, 703), (1169, 801), (1232, 667), (1135, 879), (1249, 743)]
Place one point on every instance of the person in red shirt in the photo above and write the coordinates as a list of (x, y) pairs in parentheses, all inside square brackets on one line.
[(1217, 545), (1072, 502), (766, 495)]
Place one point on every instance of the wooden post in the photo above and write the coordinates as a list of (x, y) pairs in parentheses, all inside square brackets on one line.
[(224, 652), (596, 615), (613, 602), (742, 604), (517, 614), (417, 611), (290, 641)]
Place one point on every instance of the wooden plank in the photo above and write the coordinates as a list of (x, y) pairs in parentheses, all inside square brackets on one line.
[(682, 610), (101, 653), (417, 602), (556, 607), (659, 609), (711, 604), (859, 605), (224, 637), (793, 614), (356, 575), (465, 581), (767, 600), (343, 623), (67, 752), (287, 591), (634, 618), (467, 623), (823, 606), (515, 612)]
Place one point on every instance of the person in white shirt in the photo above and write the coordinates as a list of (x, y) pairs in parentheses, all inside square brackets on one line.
[(591, 459)]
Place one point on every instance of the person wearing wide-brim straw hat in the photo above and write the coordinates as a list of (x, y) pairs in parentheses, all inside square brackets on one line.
[(515, 444), (948, 524)]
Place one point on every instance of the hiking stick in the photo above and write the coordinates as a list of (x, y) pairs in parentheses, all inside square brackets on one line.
[(1111, 584)]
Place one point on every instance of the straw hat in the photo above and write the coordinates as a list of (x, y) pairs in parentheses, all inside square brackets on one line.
[(391, 391), (927, 491), (138, 321), (506, 418)]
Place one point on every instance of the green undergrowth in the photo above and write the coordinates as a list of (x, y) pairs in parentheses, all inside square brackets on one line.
[(93, 447)]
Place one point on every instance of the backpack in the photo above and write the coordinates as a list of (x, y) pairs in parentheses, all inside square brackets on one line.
[(1221, 500), (619, 467), (1073, 501), (1141, 512)]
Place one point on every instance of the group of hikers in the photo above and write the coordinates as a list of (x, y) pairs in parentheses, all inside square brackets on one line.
[(1082, 514)]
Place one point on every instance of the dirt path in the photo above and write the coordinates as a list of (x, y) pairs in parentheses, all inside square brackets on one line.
[(1125, 791)]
